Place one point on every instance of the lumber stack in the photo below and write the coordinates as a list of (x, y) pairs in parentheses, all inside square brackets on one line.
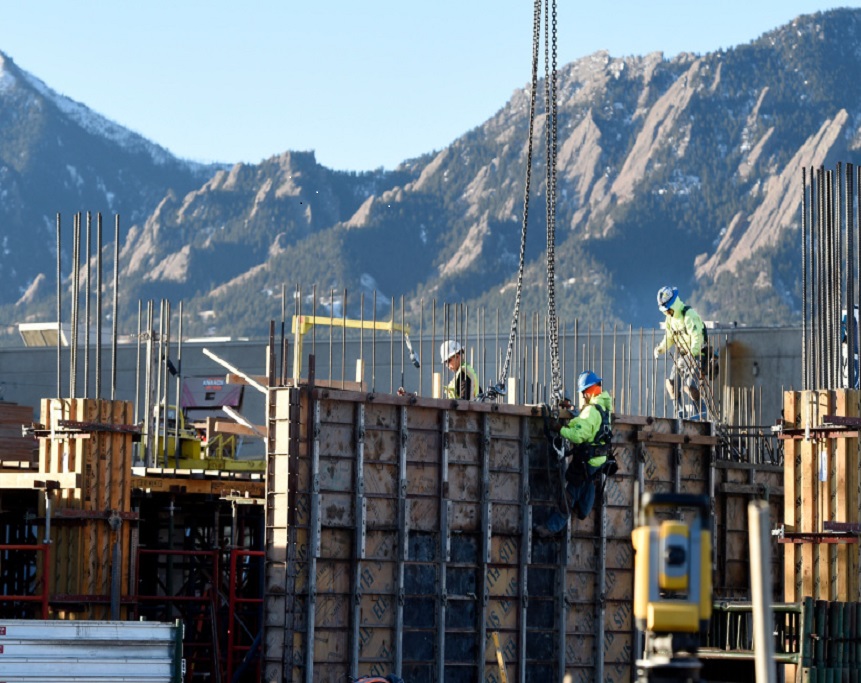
[(91, 439)]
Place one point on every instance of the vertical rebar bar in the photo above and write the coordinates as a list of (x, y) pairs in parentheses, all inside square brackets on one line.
[(99, 306), (137, 400), (59, 310), (331, 328), (851, 333), (344, 338), (818, 254), (115, 314), (76, 247), (805, 229), (87, 307)]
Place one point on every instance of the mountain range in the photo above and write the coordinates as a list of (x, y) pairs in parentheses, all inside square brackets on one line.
[(683, 171)]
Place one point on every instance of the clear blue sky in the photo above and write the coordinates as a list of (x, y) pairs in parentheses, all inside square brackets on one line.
[(365, 84)]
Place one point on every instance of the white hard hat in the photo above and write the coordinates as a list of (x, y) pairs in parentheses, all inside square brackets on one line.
[(447, 349)]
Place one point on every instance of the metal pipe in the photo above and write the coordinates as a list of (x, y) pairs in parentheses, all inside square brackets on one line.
[(87, 308), (115, 310), (851, 332), (805, 232), (59, 311), (137, 400), (149, 453), (344, 338), (99, 307), (76, 246), (178, 380), (760, 571)]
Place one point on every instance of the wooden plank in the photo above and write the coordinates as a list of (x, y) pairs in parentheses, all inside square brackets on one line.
[(824, 501), (694, 439), (846, 502), (33, 480), (791, 461), (218, 487), (807, 494)]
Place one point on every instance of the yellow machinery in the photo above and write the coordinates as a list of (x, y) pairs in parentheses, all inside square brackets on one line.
[(196, 449), (176, 441), (672, 586)]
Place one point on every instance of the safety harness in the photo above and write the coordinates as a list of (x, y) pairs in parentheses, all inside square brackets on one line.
[(581, 454), (709, 365)]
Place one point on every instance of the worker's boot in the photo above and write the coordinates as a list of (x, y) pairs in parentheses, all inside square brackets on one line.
[(671, 389), (694, 393)]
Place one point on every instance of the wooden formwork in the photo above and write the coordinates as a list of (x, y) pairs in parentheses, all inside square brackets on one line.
[(89, 529), (399, 539), (822, 500), (16, 450)]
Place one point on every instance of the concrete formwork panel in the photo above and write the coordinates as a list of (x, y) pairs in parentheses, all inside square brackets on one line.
[(408, 525)]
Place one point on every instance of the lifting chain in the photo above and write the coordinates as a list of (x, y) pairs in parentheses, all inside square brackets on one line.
[(551, 138), (550, 97)]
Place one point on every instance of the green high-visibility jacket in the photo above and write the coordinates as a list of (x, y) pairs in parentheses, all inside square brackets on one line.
[(585, 427), (685, 330), (464, 384)]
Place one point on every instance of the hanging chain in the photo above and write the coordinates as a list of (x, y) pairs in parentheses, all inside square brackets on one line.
[(536, 40), (551, 135)]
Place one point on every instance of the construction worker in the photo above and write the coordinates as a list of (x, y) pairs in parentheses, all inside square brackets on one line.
[(686, 331), (464, 384), (589, 434)]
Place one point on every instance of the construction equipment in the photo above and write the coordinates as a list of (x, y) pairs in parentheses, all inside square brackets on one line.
[(189, 445), (672, 586), (176, 441)]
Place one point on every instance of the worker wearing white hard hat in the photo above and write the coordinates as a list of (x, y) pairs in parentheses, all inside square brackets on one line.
[(464, 384)]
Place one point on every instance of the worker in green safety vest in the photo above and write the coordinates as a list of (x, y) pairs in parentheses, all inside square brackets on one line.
[(686, 331), (589, 435), (464, 384)]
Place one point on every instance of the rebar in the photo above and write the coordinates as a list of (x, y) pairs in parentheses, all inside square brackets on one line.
[(829, 277)]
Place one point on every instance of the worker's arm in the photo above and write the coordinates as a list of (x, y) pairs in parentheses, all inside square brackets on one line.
[(584, 427), (666, 342)]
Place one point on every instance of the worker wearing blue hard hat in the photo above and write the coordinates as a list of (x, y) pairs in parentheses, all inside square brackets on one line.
[(588, 435), (686, 331)]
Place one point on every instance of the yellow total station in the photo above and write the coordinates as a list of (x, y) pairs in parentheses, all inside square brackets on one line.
[(672, 566)]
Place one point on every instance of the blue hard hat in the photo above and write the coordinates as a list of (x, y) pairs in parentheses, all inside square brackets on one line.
[(587, 379), (666, 297)]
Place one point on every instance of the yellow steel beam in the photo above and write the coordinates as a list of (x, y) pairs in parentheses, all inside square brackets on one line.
[(303, 323)]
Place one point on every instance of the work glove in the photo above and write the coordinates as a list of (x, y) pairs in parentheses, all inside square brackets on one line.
[(657, 352)]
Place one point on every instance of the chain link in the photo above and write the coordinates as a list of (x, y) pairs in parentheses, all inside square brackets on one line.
[(551, 134), (551, 140)]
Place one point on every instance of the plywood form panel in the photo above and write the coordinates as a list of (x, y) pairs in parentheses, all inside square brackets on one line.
[(820, 485), (462, 501), (847, 505), (792, 497), (13, 446)]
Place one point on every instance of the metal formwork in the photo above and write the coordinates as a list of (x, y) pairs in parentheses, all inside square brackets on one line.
[(399, 540)]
